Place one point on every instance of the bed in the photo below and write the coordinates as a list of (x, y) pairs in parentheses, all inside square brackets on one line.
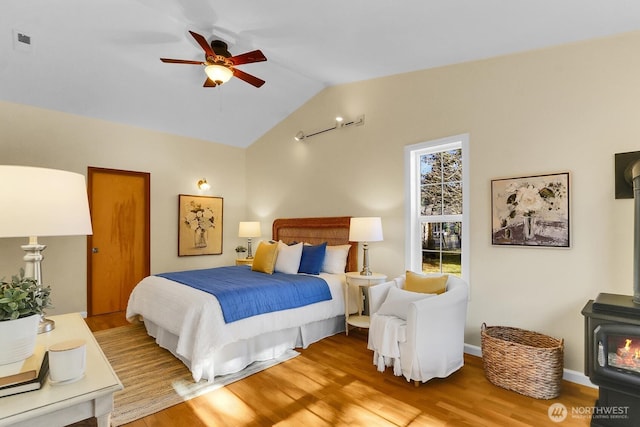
[(190, 323)]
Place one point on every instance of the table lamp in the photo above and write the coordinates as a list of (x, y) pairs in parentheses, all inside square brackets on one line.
[(249, 229), (365, 230), (42, 202)]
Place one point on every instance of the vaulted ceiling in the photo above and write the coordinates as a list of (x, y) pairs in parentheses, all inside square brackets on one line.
[(100, 58)]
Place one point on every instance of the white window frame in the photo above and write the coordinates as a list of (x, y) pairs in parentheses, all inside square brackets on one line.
[(413, 219)]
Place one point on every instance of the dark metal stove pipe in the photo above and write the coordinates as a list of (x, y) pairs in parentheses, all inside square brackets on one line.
[(635, 173)]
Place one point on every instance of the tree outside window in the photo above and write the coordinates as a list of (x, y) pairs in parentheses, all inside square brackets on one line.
[(441, 197), (438, 188)]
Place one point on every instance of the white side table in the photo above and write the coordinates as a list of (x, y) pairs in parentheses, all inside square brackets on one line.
[(63, 404), (354, 278)]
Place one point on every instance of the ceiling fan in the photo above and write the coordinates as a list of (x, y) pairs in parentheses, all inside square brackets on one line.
[(219, 65)]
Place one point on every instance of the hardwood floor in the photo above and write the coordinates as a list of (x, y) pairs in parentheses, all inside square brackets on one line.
[(334, 383)]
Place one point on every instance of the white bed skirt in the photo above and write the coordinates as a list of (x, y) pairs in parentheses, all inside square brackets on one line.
[(236, 356)]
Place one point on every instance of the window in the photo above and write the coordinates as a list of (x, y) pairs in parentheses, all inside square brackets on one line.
[(437, 194)]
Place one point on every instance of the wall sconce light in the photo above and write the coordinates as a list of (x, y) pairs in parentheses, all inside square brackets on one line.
[(203, 184), (340, 123)]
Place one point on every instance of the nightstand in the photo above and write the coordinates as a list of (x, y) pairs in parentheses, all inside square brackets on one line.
[(61, 405), (354, 278), (244, 261)]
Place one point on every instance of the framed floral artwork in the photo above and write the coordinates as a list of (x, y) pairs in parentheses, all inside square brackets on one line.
[(531, 211), (199, 225)]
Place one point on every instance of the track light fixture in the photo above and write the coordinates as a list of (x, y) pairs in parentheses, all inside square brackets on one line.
[(339, 123)]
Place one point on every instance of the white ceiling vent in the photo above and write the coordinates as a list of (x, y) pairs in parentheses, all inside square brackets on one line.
[(21, 41)]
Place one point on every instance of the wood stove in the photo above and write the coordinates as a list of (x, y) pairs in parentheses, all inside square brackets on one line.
[(612, 358), (612, 325)]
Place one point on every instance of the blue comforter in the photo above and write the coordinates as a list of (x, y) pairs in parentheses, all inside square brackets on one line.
[(244, 293)]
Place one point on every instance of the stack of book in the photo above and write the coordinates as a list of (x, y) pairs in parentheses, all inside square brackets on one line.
[(26, 375)]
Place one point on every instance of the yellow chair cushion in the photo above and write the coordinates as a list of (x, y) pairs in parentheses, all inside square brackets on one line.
[(416, 282), (265, 259)]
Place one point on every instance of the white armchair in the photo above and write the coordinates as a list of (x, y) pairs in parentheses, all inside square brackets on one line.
[(431, 340)]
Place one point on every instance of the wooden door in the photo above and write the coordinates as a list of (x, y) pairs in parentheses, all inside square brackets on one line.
[(118, 252)]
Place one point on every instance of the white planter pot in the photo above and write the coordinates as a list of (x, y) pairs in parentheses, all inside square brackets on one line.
[(18, 338)]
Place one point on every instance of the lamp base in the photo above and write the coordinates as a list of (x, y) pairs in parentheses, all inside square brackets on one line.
[(46, 325), (249, 253), (365, 260), (33, 258)]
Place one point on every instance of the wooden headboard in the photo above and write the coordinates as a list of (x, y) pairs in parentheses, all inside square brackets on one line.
[(334, 230)]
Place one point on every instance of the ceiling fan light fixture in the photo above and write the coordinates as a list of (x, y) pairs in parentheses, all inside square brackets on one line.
[(218, 73), (219, 64)]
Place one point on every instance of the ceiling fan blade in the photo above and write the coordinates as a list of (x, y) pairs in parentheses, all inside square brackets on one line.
[(181, 61), (203, 44), (252, 80), (249, 57), (209, 83)]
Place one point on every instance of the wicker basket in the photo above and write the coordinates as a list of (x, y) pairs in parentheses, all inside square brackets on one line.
[(526, 362)]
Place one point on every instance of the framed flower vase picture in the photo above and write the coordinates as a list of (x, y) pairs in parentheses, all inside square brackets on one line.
[(199, 225), (531, 211)]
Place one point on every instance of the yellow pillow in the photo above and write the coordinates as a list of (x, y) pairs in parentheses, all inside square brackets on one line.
[(426, 284), (265, 259)]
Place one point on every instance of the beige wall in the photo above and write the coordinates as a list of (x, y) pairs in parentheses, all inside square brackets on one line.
[(568, 108), (36, 137)]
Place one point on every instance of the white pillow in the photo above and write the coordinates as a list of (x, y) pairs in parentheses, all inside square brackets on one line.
[(288, 260), (398, 300), (335, 259)]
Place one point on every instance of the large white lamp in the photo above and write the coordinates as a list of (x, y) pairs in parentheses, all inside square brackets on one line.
[(249, 229), (42, 202), (365, 230)]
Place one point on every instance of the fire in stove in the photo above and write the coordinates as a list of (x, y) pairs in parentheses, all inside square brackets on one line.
[(617, 358), (627, 356)]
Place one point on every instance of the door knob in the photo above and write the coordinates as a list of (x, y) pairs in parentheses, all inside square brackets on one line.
[(94, 250)]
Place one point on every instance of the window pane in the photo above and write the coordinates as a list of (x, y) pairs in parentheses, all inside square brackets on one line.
[(441, 183), (431, 236), (430, 262), (431, 199), (446, 263), (442, 247), (452, 264), (451, 236), (452, 165), (452, 198), (430, 168)]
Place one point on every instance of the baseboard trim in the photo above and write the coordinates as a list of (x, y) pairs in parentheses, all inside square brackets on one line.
[(473, 350), (568, 374)]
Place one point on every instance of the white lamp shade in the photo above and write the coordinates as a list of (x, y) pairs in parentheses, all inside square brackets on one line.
[(218, 73), (366, 229), (43, 202), (249, 229)]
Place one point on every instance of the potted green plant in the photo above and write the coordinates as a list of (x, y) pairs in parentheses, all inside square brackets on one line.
[(240, 251), (22, 304)]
